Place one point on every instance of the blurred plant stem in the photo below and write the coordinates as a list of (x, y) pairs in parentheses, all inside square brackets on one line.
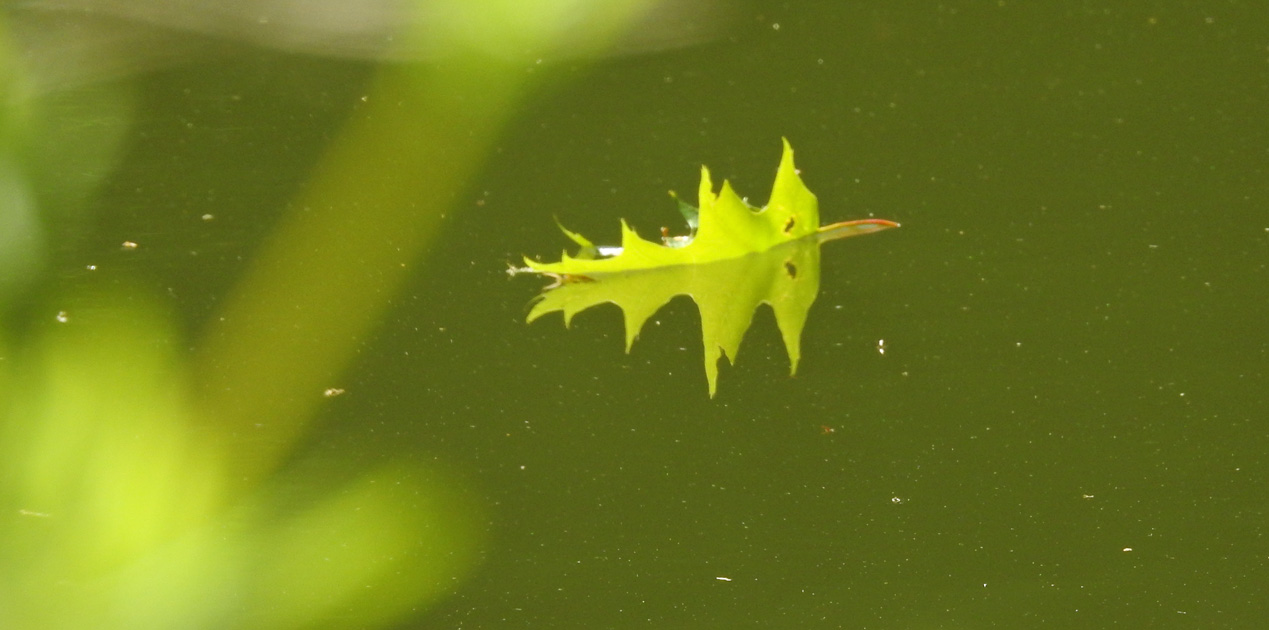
[(372, 209)]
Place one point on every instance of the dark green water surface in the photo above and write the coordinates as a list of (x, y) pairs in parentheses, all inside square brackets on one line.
[(1066, 429)]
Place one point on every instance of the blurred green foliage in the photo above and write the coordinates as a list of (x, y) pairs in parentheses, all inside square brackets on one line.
[(120, 514), (142, 487)]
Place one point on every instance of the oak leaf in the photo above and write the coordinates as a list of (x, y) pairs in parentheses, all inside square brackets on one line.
[(736, 258)]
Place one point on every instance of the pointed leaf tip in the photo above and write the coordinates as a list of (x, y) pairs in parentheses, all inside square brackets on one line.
[(786, 154)]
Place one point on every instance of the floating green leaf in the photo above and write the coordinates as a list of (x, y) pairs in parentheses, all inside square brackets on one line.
[(738, 257)]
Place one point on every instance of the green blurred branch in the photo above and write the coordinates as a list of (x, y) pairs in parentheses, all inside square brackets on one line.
[(371, 212), (354, 236)]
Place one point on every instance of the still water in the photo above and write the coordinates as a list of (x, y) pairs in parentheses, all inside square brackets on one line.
[(261, 363)]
